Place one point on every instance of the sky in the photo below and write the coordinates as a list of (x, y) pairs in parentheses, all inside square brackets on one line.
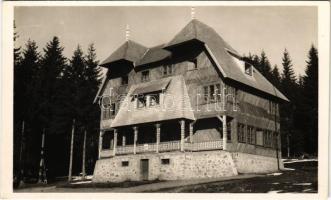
[(245, 28)]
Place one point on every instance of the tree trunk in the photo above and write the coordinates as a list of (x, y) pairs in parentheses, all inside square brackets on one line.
[(84, 153), (21, 172), (71, 149), (42, 168)]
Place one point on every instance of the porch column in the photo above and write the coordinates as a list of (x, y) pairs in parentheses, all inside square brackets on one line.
[(182, 134), (191, 131), (225, 131), (123, 140), (100, 143), (158, 132), (115, 142), (135, 138)]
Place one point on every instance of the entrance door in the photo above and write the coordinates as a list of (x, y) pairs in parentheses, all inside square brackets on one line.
[(144, 169)]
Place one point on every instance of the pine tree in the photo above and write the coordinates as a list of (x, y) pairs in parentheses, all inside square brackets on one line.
[(288, 111), (275, 77), (288, 77), (53, 64), (25, 101), (310, 92), (92, 111), (264, 66)]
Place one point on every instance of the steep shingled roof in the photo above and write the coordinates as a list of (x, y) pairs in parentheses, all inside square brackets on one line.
[(130, 51), (154, 54), (219, 51), (176, 104)]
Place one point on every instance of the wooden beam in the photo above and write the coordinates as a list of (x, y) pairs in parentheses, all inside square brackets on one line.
[(225, 131), (115, 142), (182, 134), (135, 138), (158, 133)]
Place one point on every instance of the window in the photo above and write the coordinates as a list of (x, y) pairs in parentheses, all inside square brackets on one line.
[(212, 93), (205, 93), (267, 138), (108, 109), (145, 76), (193, 65), (251, 135), (154, 99), (165, 161), (145, 100), (241, 133), (259, 137), (167, 70), (141, 101), (124, 80), (248, 69), (125, 163)]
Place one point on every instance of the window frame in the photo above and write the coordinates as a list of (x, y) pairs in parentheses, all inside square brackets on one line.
[(125, 163), (165, 161), (145, 77), (168, 70), (241, 131), (248, 69)]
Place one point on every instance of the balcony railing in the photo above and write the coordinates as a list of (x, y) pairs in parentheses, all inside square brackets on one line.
[(164, 147)]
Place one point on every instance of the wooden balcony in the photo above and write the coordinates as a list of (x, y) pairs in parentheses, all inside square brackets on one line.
[(163, 147)]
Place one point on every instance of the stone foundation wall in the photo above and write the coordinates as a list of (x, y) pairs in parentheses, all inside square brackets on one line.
[(181, 166), (250, 163), (188, 165)]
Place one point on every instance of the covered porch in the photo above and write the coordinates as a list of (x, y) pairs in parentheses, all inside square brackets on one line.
[(174, 135)]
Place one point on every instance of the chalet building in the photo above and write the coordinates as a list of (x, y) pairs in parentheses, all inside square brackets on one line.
[(190, 108)]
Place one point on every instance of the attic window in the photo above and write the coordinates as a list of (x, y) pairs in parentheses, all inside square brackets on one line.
[(167, 70), (145, 76), (248, 69)]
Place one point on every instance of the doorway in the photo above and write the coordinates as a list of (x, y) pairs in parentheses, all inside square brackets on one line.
[(144, 169)]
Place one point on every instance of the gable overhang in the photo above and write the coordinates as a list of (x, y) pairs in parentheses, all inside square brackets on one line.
[(189, 42)]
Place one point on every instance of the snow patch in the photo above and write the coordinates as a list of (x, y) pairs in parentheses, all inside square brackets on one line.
[(275, 183), (275, 191), (302, 183), (275, 174), (297, 160), (77, 178), (288, 169), (81, 182)]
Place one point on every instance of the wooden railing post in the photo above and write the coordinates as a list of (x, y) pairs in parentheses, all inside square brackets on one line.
[(158, 132), (123, 141), (115, 142), (225, 131), (182, 134), (135, 138)]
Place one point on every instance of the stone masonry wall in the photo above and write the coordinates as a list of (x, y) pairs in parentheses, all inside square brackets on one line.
[(250, 163), (188, 165)]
